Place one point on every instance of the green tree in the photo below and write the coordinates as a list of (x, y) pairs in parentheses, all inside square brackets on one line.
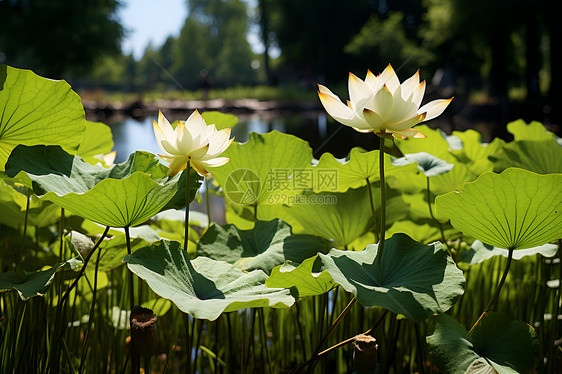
[(312, 35), (56, 37), (385, 41), (212, 45)]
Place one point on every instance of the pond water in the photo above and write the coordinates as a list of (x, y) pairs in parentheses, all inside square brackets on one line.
[(322, 133)]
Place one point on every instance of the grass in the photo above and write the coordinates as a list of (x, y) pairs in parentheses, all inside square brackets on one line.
[(90, 333)]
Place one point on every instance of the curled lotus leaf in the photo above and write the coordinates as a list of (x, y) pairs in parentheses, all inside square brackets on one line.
[(203, 288), (415, 280), (125, 194)]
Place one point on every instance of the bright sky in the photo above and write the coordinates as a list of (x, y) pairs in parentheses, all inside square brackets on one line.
[(147, 21), (151, 21)]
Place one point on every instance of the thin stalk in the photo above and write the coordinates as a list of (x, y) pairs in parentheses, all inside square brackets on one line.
[(383, 205), (61, 234), (554, 320), (335, 324), (265, 351), (376, 324), (28, 195), (433, 217), (135, 358), (86, 260), (186, 233), (373, 211), (131, 278), (91, 319), (301, 333), (207, 202), (419, 343), (497, 292)]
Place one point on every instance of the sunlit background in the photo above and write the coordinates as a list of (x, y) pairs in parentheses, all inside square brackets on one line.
[(262, 59)]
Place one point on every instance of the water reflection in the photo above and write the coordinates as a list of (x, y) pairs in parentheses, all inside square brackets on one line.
[(315, 127)]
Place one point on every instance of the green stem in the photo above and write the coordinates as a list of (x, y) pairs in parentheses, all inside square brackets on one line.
[(373, 211), (335, 324), (207, 203), (383, 205), (186, 233), (91, 318), (497, 292), (61, 229), (131, 279), (433, 218), (135, 358), (265, 351), (86, 260)]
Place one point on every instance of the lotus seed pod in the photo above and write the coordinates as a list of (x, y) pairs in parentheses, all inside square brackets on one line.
[(365, 354), (144, 332)]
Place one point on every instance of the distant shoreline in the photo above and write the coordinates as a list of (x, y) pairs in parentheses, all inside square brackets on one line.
[(115, 111)]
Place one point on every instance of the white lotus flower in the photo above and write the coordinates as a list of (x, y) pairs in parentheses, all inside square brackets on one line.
[(194, 143), (382, 105)]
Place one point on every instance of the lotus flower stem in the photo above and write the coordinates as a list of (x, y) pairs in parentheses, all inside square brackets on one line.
[(373, 209), (186, 233), (207, 203), (497, 292), (383, 204)]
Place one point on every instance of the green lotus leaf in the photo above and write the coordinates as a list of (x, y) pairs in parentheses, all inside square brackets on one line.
[(342, 217), (158, 306), (172, 219), (473, 153), (13, 206), (266, 246), (36, 110), (508, 346), (423, 233), (339, 175), (479, 252), (125, 194), (415, 280), (265, 165), (97, 141), (220, 120), (427, 163), (35, 283), (532, 131), (435, 143), (203, 288), (516, 209), (540, 156), (302, 279), (453, 180)]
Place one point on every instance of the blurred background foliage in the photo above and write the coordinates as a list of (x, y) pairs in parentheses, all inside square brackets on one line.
[(501, 51)]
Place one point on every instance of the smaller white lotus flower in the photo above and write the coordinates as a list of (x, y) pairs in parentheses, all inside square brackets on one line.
[(382, 105), (194, 143)]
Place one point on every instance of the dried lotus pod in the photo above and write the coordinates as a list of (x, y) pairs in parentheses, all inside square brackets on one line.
[(365, 354), (144, 332)]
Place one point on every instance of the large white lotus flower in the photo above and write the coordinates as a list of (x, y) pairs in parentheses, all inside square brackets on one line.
[(194, 143), (382, 105)]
